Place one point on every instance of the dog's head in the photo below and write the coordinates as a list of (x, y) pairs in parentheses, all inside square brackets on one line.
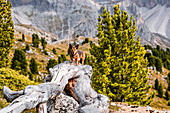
[(73, 48)]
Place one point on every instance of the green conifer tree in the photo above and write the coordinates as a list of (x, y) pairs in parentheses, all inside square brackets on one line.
[(155, 52), (169, 103), (167, 96), (19, 61), (61, 58), (45, 52), (27, 47), (120, 70), (43, 43), (168, 80), (54, 51), (30, 76), (156, 84), (160, 91), (35, 40), (6, 32), (152, 60), (168, 85), (23, 38), (51, 63), (158, 64), (33, 66)]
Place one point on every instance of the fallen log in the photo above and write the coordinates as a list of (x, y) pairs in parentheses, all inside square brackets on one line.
[(46, 96)]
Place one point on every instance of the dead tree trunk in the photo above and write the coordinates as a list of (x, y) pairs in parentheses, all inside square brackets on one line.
[(38, 96)]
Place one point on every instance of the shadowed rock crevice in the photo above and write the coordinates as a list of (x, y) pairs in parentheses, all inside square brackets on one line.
[(69, 88)]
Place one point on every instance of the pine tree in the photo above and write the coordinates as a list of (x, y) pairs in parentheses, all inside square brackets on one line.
[(45, 52), (51, 63), (33, 66), (160, 91), (167, 96), (158, 64), (155, 52), (30, 76), (120, 70), (158, 48), (43, 43), (19, 61), (61, 58), (27, 47), (54, 51), (169, 103), (23, 38), (6, 32), (152, 60), (156, 84), (168, 80), (35, 40)]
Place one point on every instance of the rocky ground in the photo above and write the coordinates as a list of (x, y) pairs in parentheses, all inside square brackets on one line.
[(126, 108)]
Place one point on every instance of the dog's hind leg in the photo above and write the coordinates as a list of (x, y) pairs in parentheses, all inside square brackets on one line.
[(82, 61)]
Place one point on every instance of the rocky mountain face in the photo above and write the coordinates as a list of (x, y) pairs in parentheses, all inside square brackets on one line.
[(151, 3), (65, 18), (68, 18), (156, 14)]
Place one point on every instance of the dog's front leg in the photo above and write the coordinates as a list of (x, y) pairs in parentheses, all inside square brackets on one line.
[(76, 61), (72, 62)]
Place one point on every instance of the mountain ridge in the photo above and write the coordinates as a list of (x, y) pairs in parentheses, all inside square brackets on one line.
[(68, 18)]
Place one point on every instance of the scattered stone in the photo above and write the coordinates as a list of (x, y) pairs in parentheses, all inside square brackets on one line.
[(15, 47), (16, 42), (23, 44), (30, 44), (150, 67), (29, 51), (113, 104), (62, 104)]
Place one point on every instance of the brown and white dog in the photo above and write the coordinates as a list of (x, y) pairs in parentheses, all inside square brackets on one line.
[(76, 54)]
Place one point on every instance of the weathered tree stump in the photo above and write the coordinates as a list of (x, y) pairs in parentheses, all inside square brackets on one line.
[(64, 79)]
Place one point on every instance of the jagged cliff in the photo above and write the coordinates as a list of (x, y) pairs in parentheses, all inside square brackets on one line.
[(65, 18), (68, 18)]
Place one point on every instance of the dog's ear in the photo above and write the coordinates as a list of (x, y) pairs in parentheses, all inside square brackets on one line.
[(77, 46), (70, 46)]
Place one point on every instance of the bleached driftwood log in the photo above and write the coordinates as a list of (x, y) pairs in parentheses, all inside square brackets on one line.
[(63, 78), (30, 97)]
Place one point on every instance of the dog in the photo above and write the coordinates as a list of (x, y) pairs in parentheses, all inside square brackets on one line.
[(76, 54)]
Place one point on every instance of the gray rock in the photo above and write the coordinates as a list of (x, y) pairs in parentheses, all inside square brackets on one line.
[(62, 103), (66, 18)]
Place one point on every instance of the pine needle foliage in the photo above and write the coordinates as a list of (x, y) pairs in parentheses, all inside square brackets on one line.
[(35, 40), (51, 63), (33, 66), (43, 43), (160, 91), (6, 32), (19, 61), (156, 84), (120, 70)]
